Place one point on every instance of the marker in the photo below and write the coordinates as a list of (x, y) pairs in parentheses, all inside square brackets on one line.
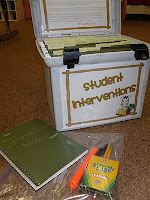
[(101, 151), (73, 183)]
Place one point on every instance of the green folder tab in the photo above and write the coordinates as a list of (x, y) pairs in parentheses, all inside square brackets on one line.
[(38, 152)]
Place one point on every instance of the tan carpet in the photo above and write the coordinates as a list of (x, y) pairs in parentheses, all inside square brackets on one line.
[(23, 97)]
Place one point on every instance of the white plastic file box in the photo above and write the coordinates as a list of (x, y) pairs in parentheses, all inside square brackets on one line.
[(94, 75)]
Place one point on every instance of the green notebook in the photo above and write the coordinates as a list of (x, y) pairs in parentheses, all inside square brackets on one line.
[(38, 152)]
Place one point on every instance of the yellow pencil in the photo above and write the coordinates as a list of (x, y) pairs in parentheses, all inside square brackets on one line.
[(108, 151)]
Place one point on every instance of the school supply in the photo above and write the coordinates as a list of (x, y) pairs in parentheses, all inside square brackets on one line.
[(100, 175), (59, 187), (73, 183), (76, 178), (38, 152)]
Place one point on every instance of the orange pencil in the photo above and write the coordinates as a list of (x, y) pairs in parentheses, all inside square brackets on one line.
[(73, 183)]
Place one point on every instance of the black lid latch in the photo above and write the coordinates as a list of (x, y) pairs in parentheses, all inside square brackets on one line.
[(71, 57), (141, 51)]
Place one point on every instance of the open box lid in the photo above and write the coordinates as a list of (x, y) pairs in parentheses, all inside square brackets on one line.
[(54, 18)]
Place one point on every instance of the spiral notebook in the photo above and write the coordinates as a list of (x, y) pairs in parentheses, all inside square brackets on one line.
[(38, 152)]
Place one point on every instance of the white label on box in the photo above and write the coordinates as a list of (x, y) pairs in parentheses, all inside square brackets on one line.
[(99, 94), (77, 14)]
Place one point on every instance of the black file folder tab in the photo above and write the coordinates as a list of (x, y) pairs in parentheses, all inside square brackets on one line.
[(71, 57), (141, 50)]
